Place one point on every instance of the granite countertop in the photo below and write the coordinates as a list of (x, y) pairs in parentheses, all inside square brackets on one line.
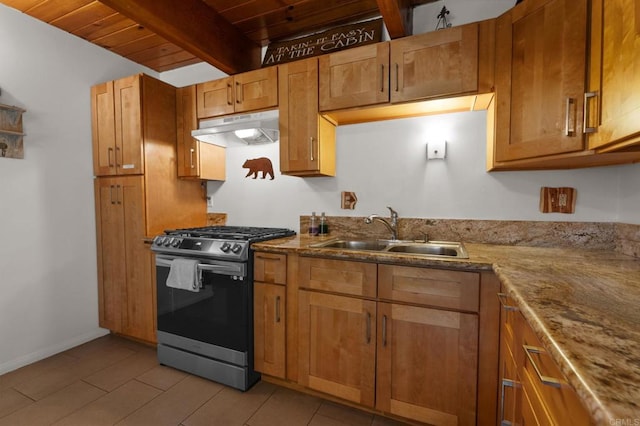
[(584, 305)]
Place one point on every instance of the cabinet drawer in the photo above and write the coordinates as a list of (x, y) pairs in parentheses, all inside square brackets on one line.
[(270, 268), (547, 388), (431, 287), (340, 276)]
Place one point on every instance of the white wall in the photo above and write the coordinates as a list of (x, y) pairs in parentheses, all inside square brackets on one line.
[(48, 283), (385, 163)]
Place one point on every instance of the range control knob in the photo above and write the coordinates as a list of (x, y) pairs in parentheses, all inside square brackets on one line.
[(168, 241), (237, 248), (225, 247), (176, 242), (158, 240)]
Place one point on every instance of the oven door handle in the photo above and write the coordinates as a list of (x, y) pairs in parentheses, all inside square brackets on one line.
[(229, 268)]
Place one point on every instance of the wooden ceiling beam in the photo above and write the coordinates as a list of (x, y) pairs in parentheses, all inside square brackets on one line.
[(397, 16), (196, 28)]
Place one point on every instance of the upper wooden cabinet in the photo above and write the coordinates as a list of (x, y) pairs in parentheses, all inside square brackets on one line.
[(614, 76), (354, 77), (116, 115), (435, 64), (540, 74), (250, 91), (196, 159), (307, 140), (444, 63)]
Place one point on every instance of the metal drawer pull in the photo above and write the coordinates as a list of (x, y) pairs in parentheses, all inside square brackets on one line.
[(368, 327), (382, 78), (191, 152), (569, 124), (109, 154), (277, 308), (587, 113), (502, 297), (546, 380)]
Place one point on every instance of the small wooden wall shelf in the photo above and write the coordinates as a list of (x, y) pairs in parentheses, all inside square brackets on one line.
[(11, 135)]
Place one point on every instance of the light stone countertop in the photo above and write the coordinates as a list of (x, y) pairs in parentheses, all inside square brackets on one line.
[(584, 305)]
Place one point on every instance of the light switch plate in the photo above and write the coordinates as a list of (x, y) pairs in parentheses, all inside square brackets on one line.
[(436, 150)]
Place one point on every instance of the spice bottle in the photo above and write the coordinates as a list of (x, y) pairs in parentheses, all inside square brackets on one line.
[(313, 224), (324, 226)]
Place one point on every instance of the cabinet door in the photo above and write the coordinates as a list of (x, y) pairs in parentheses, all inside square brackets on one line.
[(186, 121), (215, 98), (256, 90), (129, 137), (103, 126), (269, 328), (435, 64), (615, 73), (540, 74), (427, 364), (126, 289), (354, 77), (111, 248), (307, 140), (337, 346)]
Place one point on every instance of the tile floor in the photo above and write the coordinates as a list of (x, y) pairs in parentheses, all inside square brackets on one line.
[(113, 381)]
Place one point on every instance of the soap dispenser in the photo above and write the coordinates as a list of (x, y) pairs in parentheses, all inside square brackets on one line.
[(324, 226)]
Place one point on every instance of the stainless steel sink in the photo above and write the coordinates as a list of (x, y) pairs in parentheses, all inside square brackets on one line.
[(431, 248), (376, 245), (439, 248)]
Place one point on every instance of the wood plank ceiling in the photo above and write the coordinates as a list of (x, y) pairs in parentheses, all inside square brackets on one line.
[(228, 34)]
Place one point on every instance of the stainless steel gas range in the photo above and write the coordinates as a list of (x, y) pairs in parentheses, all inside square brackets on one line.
[(205, 300)]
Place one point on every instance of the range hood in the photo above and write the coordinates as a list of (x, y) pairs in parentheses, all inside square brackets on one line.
[(252, 128)]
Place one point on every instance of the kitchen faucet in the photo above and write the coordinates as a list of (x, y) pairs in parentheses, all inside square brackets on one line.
[(392, 227)]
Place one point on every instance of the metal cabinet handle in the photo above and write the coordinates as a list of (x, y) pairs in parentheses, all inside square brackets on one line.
[(229, 95), (109, 155), (397, 78), (502, 297), (311, 149), (238, 93), (384, 330), (381, 77), (111, 194), (119, 194), (506, 383), (546, 380), (191, 152), (569, 119), (587, 113), (277, 308), (368, 328), (118, 152)]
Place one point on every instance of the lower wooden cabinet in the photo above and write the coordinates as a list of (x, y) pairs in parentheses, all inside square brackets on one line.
[(269, 323), (427, 364), (337, 346), (269, 313), (533, 389), (125, 285), (413, 361)]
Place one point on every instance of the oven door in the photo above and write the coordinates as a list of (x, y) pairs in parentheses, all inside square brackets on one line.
[(218, 314)]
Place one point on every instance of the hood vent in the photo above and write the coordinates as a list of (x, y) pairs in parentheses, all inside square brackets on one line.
[(252, 128)]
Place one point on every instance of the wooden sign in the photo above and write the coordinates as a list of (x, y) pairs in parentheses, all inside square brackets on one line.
[(332, 40)]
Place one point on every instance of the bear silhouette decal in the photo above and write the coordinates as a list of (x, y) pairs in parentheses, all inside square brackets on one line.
[(255, 165)]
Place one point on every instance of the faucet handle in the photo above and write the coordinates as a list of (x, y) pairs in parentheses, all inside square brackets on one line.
[(393, 212)]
